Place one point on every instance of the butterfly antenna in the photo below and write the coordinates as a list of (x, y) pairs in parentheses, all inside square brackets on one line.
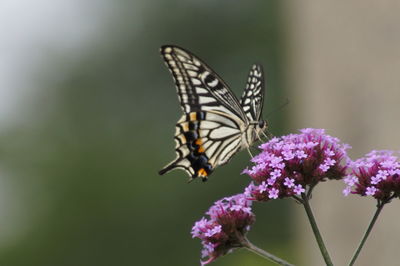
[(270, 136), (279, 107)]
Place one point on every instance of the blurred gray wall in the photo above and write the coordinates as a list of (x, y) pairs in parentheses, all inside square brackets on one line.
[(344, 59)]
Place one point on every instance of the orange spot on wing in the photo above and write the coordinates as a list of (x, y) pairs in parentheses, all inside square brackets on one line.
[(185, 126), (199, 143), (193, 116), (182, 138)]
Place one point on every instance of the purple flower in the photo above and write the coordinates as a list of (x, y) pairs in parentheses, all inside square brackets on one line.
[(288, 165), (298, 189), (289, 182), (271, 180), (229, 221), (350, 180), (273, 193), (347, 191), (377, 175), (370, 191), (263, 187)]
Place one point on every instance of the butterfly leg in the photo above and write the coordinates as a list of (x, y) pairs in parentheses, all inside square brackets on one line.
[(265, 135), (248, 149), (259, 137)]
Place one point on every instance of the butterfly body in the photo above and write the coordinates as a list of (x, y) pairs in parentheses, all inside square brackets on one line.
[(215, 124)]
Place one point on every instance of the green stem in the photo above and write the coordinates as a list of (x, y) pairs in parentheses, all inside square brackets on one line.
[(316, 232), (371, 225), (249, 246)]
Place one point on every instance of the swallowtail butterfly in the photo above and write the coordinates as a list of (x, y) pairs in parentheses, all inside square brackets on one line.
[(215, 124)]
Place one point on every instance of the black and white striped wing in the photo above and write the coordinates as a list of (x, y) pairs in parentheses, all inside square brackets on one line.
[(209, 133), (199, 88), (204, 140), (253, 96)]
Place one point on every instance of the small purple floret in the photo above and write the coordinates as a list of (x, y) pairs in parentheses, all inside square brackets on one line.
[(298, 189), (289, 182), (273, 193)]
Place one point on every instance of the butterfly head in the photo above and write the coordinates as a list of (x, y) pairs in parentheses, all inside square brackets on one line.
[(261, 127)]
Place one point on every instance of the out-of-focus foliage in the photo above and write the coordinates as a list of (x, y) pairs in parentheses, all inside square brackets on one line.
[(81, 163)]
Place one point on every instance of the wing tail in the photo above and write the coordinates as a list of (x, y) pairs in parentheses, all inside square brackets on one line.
[(169, 167)]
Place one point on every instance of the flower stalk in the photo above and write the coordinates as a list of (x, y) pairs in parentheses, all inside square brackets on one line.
[(376, 175), (251, 247), (316, 232), (367, 232)]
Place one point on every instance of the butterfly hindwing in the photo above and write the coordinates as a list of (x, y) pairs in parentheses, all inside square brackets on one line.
[(253, 95), (203, 141)]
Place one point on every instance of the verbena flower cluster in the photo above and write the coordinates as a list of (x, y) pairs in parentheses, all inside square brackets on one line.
[(229, 221), (287, 165), (377, 175)]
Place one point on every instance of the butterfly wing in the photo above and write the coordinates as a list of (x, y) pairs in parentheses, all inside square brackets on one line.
[(199, 88), (204, 140), (253, 96), (209, 132)]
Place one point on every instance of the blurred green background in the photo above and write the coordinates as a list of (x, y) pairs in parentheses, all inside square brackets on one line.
[(94, 122)]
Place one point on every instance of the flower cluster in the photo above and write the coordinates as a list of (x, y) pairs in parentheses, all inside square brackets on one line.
[(287, 165), (377, 175), (230, 220)]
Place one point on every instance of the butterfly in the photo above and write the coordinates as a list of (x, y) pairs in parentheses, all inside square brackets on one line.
[(215, 124)]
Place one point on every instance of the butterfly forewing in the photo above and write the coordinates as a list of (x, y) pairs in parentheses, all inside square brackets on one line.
[(253, 95), (199, 87), (211, 130)]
